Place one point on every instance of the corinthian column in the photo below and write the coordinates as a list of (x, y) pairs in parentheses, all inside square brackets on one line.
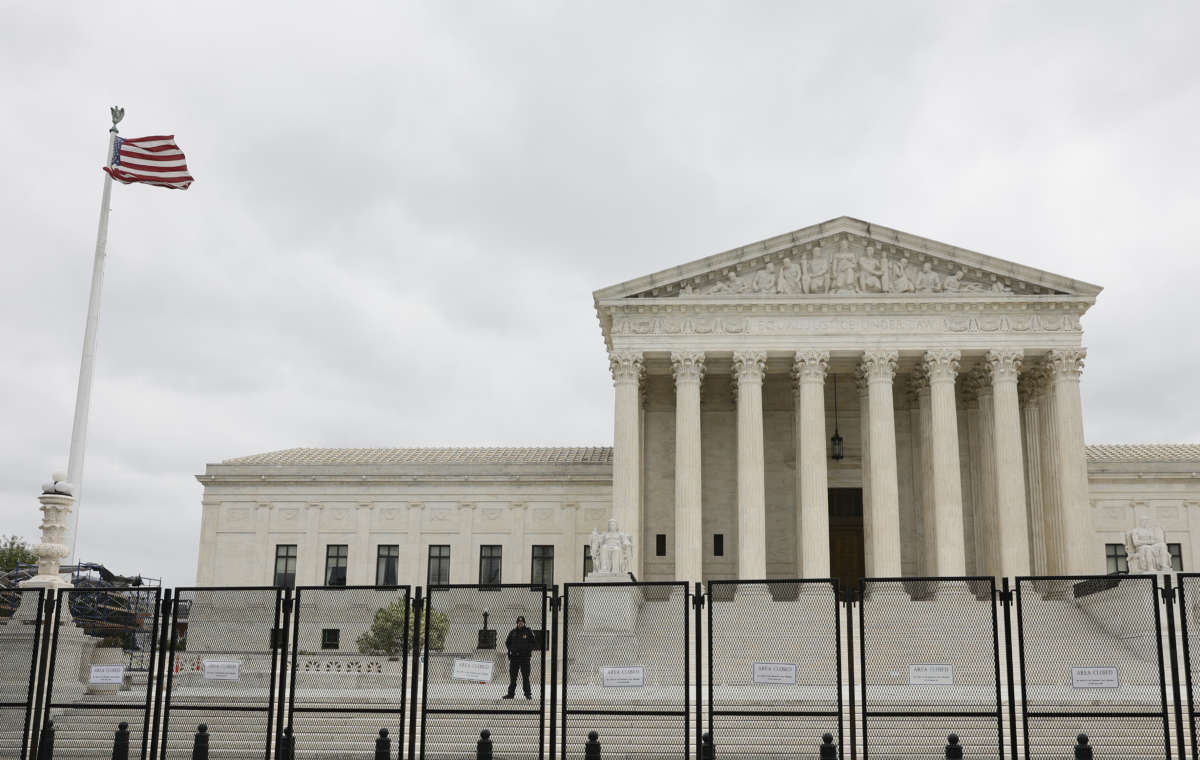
[(863, 386), (812, 478), (880, 368), (627, 371), (987, 558), (749, 368), (1081, 554), (1012, 528), (689, 539), (1028, 389), (941, 367)]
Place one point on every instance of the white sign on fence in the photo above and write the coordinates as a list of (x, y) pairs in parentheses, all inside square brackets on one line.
[(222, 670), (775, 672), (633, 675), (1095, 677), (932, 674), (107, 674), (479, 671)]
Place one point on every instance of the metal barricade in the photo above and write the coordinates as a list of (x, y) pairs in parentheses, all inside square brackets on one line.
[(626, 667), (349, 667), (930, 666), (22, 615), (1092, 662), (774, 665), (227, 646), (90, 686), (466, 670)]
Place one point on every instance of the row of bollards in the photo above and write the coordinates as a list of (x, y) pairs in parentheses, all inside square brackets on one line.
[(483, 748)]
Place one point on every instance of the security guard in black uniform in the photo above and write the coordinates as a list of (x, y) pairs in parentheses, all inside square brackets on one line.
[(520, 643)]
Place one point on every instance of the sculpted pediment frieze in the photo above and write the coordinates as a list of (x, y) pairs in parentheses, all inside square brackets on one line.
[(845, 264)]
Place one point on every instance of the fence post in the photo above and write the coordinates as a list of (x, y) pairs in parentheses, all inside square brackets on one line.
[(200, 743), (954, 750), (121, 742), (45, 750), (591, 750), (707, 750), (829, 750), (287, 745), (1083, 750), (483, 748), (383, 746)]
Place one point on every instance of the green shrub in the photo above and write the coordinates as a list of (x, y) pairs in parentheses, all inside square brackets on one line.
[(386, 635)]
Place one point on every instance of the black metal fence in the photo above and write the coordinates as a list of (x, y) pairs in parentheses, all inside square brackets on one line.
[(930, 666), (769, 667), (466, 670)]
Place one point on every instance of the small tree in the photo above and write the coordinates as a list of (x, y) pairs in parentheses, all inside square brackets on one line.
[(14, 551), (386, 635)]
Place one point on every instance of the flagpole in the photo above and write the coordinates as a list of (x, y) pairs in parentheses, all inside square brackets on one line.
[(83, 393)]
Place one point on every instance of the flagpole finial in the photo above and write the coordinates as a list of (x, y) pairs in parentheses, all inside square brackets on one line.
[(118, 113)]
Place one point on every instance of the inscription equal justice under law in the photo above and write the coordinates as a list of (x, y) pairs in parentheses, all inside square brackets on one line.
[(833, 325)]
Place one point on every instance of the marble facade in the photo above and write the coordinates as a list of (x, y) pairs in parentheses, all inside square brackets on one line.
[(956, 378)]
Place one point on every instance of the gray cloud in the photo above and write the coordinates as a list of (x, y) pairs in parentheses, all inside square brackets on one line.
[(400, 213)]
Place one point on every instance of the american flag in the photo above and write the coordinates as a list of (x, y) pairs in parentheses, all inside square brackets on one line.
[(151, 161)]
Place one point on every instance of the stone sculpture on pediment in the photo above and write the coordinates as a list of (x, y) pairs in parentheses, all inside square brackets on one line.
[(815, 268), (791, 278), (928, 281), (764, 280), (845, 270), (731, 285), (900, 281), (871, 273)]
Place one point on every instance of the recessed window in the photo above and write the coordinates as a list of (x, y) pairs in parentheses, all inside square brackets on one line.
[(439, 565), (335, 564), (285, 565), (330, 638), (1115, 559), (387, 560), (587, 561), (718, 544), (489, 564), (660, 544), (1176, 552), (541, 572)]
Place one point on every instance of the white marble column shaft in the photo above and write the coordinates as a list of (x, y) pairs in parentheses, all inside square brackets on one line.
[(749, 367), (1056, 561), (689, 538), (941, 368), (812, 482), (1011, 518), (1081, 551), (1030, 427), (864, 436), (627, 370), (880, 368), (988, 558), (921, 419)]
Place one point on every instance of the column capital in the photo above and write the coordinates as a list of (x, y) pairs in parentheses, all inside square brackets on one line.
[(687, 366), (626, 366), (1031, 385), (941, 365), (979, 381), (918, 384), (861, 383), (879, 365), (1062, 364), (749, 366), (1004, 364), (809, 367)]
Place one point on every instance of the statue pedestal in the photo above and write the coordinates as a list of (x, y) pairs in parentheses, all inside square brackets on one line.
[(608, 636)]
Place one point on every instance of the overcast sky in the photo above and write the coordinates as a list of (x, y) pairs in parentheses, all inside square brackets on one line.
[(400, 212)]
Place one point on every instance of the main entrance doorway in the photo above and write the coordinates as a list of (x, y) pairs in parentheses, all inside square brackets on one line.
[(847, 555)]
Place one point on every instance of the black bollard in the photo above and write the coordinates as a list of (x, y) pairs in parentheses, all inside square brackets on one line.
[(46, 742), (707, 750), (383, 746), (121, 742), (829, 750), (483, 748), (200, 743), (287, 745), (1083, 750), (953, 748), (591, 750)]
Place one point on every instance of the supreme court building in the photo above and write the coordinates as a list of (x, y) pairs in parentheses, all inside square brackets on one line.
[(842, 400)]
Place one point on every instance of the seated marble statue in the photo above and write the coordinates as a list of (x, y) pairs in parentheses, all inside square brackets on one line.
[(612, 551), (1146, 549)]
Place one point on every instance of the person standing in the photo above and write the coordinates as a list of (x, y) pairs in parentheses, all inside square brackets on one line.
[(520, 644)]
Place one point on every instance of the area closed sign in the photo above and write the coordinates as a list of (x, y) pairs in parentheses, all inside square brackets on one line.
[(479, 671), (633, 675), (931, 674), (775, 672), (1095, 677), (107, 674), (222, 670)]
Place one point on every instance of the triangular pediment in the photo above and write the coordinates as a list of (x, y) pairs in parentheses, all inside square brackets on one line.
[(847, 257)]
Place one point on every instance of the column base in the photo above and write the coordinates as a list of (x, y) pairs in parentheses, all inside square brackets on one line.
[(46, 581)]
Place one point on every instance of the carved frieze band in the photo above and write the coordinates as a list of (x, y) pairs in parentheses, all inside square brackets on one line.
[(880, 365), (845, 323), (626, 366), (809, 367), (941, 365)]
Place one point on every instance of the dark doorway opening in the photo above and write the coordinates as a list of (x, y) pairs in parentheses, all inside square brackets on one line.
[(847, 552)]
